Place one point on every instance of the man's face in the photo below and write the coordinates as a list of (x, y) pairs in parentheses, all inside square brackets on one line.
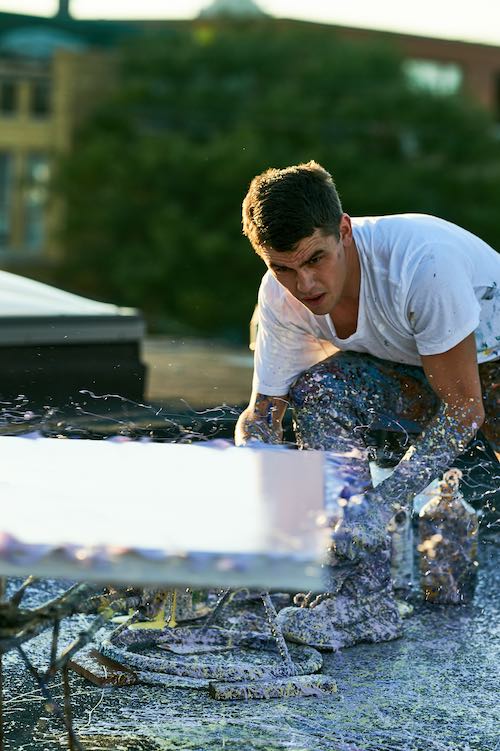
[(314, 272)]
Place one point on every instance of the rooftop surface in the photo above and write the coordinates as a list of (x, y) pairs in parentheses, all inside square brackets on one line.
[(202, 373), (435, 689)]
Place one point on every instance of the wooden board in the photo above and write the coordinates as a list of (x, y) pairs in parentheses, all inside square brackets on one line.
[(99, 670)]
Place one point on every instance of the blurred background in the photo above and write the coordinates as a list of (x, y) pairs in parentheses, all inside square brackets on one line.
[(127, 144)]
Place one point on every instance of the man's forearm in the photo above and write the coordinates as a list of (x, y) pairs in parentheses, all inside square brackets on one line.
[(445, 437)]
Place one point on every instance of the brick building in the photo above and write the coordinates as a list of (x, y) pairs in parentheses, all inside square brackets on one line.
[(445, 64)]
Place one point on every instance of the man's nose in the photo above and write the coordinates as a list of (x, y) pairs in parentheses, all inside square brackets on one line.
[(305, 281)]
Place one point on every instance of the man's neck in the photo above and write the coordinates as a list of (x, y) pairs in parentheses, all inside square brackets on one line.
[(345, 314), (353, 277)]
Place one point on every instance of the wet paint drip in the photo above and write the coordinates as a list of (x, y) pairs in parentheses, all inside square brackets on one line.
[(448, 529)]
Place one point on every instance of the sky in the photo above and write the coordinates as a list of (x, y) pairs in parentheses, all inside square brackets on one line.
[(478, 21)]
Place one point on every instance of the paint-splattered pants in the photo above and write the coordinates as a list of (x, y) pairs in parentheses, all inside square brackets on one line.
[(337, 400)]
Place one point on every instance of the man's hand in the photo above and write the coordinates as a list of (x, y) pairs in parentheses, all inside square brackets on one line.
[(261, 420)]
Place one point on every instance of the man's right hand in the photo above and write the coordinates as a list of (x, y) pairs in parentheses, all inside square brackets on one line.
[(261, 420)]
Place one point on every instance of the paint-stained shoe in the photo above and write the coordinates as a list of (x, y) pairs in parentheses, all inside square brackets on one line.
[(342, 621)]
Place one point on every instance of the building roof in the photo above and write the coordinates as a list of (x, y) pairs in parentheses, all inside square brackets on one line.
[(36, 36), (20, 296), (39, 41)]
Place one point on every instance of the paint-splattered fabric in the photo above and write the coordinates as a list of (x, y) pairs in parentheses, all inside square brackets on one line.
[(338, 400), (336, 403)]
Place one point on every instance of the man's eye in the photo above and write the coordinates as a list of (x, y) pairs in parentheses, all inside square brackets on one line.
[(280, 269), (314, 260)]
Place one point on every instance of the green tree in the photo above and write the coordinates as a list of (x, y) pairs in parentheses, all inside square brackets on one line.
[(154, 184)]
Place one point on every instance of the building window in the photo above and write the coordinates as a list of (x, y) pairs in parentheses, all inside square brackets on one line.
[(8, 97), (5, 199), (40, 98), (438, 78), (35, 201)]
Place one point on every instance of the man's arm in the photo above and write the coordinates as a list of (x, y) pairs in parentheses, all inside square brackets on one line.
[(454, 377), (261, 420)]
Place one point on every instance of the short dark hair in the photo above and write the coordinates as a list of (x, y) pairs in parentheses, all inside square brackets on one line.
[(283, 206)]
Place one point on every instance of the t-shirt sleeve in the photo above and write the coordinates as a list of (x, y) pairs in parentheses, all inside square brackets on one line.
[(283, 348), (442, 308)]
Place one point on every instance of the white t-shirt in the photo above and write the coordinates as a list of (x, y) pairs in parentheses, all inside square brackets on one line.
[(426, 284)]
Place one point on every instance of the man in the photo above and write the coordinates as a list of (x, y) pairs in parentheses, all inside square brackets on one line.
[(413, 304)]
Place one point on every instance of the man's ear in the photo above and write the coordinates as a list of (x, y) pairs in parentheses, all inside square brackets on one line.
[(345, 227)]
